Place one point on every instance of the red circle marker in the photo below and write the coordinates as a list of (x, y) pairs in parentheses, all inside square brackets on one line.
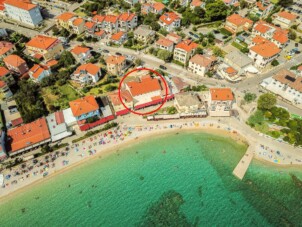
[(146, 69)]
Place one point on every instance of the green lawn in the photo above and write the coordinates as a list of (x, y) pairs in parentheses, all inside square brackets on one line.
[(242, 46)]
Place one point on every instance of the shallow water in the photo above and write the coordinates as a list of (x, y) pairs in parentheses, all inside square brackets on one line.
[(189, 173)]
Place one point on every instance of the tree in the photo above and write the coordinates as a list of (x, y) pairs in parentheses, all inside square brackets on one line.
[(267, 101), (275, 62), (200, 12), (256, 118), (285, 3), (165, 55), (249, 97), (217, 51), (216, 10), (154, 25), (243, 4), (292, 34), (138, 61), (66, 59), (199, 50)]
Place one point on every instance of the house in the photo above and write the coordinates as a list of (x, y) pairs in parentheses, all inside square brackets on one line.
[(230, 2), (25, 12), (235, 23), (90, 28), (57, 126), (63, 19), (119, 37), (200, 64), (156, 8), (28, 136), (38, 72), (11, 114), (15, 64), (165, 44), (81, 53), (262, 8), (184, 51), (87, 73), (84, 108), (270, 32), (174, 37), (98, 19), (117, 105), (144, 34), (239, 61), (197, 3), (169, 21), (188, 104), (110, 23), (76, 25), (6, 48), (116, 64), (127, 21), (264, 53), (45, 46), (286, 84), (4, 89), (220, 102), (284, 19), (228, 73), (131, 2), (99, 34), (6, 76)]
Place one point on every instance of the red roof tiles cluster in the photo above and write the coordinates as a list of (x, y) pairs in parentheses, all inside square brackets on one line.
[(88, 68), (5, 47), (146, 85), (221, 94), (22, 4), (83, 105), (14, 60), (169, 18), (187, 45), (42, 42)]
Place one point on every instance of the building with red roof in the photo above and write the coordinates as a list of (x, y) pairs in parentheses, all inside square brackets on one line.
[(220, 102), (184, 51), (169, 21), (63, 19), (165, 44), (28, 136), (127, 21), (200, 64), (81, 53), (262, 8), (117, 105), (46, 46), (85, 107), (23, 11), (284, 19), (90, 27), (236, 23), (15, 64), (6, 48), (197, 3), (156, 8), (87, 73), (38, 72), (119, 37), (115, 64), (77, 25)]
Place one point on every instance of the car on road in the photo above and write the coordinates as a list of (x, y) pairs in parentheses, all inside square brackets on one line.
[(105, 51), (163, 67), (118, 54)]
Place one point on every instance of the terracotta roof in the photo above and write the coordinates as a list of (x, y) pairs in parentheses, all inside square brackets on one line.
[(187, 45), (164, 42), (79, 50), (59, 117), (144, 86), (261, 6), (115, 100), (262, 27), (285, 76), (117, 36), (230, 70), (51, 63), (26, 5), (100, 33), (201, 60), (98, 18), (2, 84), (3, 71), (37, 70), (299, 68), (126, 16), (281, 36), (158, 6), (259, 39), (89, 24), (266, 50), (111, 18), (78, 21), (196, 3), (13, 60), (5, 47), (174, 37), (221, 94), (88, 68), (42, 42), (65, 16), (287, 15), (115, 59), (238, 20), (169, 18), (17, 121), (83, 105), (28, 134)]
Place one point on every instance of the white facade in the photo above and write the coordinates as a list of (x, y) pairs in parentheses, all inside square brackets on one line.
[(259, 60), (30, 17)]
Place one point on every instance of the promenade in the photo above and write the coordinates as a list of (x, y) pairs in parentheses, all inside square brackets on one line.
[(244, 163)]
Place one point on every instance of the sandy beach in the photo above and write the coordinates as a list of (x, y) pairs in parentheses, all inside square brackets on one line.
[(21, 178)]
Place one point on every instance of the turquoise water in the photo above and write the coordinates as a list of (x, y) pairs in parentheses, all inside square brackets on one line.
[(125, 189)]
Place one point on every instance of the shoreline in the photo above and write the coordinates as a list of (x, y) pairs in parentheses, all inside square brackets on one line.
[(139, 134)]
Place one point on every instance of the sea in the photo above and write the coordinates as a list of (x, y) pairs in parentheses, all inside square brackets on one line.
[(179, 179)]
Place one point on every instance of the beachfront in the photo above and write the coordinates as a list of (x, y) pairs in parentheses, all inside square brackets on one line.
[(112, 140)]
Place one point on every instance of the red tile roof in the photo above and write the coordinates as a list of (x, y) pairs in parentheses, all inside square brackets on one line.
[(117, 36), (51, 63), (78, 21), (169, 18), (89, 24), (111, 18), (88, 68), (114, 60), (201, 60), (230, 70), (165, 42), (13, 60), (287, 15), (158, 6), (187, 45), (59, 117), (3, 71), (42, 42), (100, 33), (238, 20), (17, 122), (83, 105), (26, 4), (281, 36), (2, 84), (28, 134), (79, 50), (115, 100), (221, 94), (146, 85), (196, 3), (98, 18), (5, 47), (267, 49), (126, 16), (66, 16), (37, 70)]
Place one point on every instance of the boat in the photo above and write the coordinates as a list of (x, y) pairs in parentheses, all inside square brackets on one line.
[(1, 179)]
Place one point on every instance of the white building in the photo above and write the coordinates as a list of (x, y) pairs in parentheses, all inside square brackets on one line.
[(200, 64), (23, 11), (285, 19), (87, 73), (57, 126), (190, 104), (220, 102), (287, 85), (169, 21), (165, 44)]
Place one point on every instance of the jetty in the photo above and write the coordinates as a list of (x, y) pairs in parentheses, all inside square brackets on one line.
[(244, 163)]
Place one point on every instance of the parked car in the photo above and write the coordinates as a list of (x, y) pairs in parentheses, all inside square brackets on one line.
[(105, 51), (163, 67), (118, 53)]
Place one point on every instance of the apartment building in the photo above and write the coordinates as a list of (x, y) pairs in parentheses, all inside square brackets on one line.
[(87, 73), (236, 23), (169, 21), (200, 64), (184, 51), (15, 64), (115, 64), (284, 19)]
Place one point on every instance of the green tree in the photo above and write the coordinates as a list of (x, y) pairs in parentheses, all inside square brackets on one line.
[(249, 97), (216, 10), (256, 118), (292, 34), (267, 101), (165, 55), (285, 3), (275, 62), (66, 59)]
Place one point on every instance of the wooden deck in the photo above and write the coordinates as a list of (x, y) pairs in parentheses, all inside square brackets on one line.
[(244, 163)]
